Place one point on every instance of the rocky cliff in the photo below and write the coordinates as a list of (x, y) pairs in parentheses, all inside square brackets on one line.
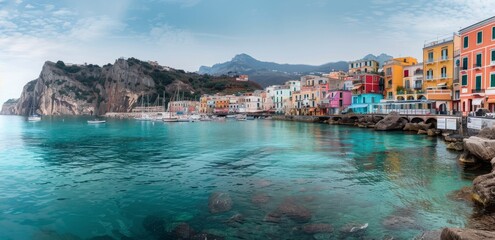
[(90, 89)]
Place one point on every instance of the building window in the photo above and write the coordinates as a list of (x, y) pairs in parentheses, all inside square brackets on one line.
[(492, 80), (479, 37), (444, 72), (407, 84), (465, 63), (493, 57), (478, 60), (406, 73), (429, 74), (464, 80), (478, 82), (445, 54), (388, 71), (430, 57), (466, 42), (493, 33)]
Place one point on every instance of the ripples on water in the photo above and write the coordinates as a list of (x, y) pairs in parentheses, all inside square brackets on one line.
[(62, 177)]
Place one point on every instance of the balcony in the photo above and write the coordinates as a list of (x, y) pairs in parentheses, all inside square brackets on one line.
[(444, 58), (418, 73), (388, 86), (418, 86), (477, 66), (478, 91), (429, 77), (444, 76), (430, 61)]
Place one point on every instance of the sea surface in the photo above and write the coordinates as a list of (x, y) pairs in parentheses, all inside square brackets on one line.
[(64, 178)]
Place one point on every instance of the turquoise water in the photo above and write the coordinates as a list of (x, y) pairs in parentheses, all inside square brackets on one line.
[(62, 177)]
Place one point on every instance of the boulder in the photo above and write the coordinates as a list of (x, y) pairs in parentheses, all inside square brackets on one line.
[(414, 127), (400, 222), (421, 131), (392, 121), (432, 132), (260, 198), (453, 138), (219, 202), (457, 146), (482, 148), (487, 132), (467, 158), (290, 209), (484, 190), (429, 235), (466, 234)]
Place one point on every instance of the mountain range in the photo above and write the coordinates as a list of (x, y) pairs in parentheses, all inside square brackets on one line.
[(270, 73)]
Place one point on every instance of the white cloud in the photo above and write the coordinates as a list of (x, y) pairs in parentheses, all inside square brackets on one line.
[(183, 3), (166, 34), (63, 12), (29, 6), (18, 1), (95, 27)]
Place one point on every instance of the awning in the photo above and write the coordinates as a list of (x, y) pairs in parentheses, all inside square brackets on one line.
[(442, 84), (357, 87), (477, 101), (358, 106), (491, 100)]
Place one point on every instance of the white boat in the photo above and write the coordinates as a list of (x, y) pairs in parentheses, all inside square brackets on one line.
[(144, 117), (205, 118), (96, 121), (33, 116), (195, 118), (183, 118), (241, 117)]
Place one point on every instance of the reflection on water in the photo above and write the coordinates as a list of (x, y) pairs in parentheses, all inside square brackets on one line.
[(64, 178)]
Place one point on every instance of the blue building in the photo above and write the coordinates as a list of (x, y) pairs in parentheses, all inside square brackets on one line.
[(361, 103)]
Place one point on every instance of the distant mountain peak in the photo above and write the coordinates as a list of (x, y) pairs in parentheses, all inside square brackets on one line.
[(243, 58)]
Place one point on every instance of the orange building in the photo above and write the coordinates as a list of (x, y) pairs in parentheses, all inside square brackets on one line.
[(477, 60)]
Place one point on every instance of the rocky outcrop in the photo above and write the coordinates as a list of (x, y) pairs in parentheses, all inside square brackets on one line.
[(482, 148), (393, 121), (457, 146), (466, 234), (8, 108), (90, 89), (219, 202)]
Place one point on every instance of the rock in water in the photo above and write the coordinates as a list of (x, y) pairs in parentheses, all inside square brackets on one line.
[(400, 222), (484, 190), (482, 148), (293, 210), (206, 236), (392, 121), (154, 225), (183, 231), (317, 228), (464, 194), (457, 146), (429, 235), (261, 198), (466, 234), (219, 202)]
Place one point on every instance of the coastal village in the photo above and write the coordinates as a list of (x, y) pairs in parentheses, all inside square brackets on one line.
[(456, 76)]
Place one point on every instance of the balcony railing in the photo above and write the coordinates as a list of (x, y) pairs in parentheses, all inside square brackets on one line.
[(477, 65), (429, 77), (433, 43), (443, 76), (388, 86), (420, 72), (438, 91), (430, 60), (418, 86), (444, 58), (478, 91)]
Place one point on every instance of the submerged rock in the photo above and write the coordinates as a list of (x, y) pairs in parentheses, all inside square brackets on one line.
[(293, 210), (393, 121), (466, 234), (400, 222), (317, 228), (464, 194), (219, 202), (457, 146), (236, 218), (260, 198), (206, 236), (154, 225), (183, 231)]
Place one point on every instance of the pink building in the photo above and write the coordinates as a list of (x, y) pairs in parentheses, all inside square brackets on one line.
[(338, 100)]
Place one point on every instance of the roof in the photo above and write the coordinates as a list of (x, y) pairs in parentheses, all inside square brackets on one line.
[(476, 25)]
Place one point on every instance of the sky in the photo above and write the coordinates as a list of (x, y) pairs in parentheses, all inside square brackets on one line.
[(186, 34)]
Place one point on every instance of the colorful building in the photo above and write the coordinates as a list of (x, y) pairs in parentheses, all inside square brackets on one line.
[(439, 66), (363, 103), (478, 66), (412, 84), (363, 66), (394, 75), (336, 101)]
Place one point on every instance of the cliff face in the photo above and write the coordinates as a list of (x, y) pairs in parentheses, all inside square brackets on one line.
[(90, 89)]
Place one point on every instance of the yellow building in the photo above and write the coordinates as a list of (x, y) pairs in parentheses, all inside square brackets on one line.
[(394, 75), (438, 65)]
